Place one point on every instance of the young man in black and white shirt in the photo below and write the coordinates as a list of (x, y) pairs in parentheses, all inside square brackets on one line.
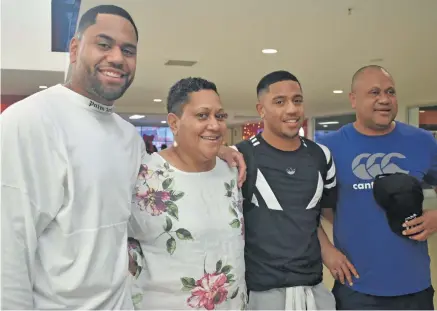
[(289, 180)]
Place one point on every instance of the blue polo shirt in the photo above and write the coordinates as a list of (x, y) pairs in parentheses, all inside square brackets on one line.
[(388, 265)]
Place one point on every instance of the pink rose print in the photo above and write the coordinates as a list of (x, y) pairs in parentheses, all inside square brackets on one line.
[(144, 173), (209, 291), (153, 201)]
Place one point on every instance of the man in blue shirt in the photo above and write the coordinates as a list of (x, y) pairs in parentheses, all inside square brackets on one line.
[(394, 272)]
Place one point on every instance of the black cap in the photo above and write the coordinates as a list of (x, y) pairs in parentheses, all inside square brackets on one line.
[(401, 197)]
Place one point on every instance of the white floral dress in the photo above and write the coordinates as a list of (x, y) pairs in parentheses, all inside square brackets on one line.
[(187, 238)]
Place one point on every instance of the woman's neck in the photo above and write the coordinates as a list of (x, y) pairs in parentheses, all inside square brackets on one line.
[(184, 161)]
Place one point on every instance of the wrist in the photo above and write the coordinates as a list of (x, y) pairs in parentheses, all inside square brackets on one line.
[(327, 247)]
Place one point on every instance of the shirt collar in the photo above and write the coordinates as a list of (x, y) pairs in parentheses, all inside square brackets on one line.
[(88, 103)]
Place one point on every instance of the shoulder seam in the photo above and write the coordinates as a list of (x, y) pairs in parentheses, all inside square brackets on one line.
[(326, 152)]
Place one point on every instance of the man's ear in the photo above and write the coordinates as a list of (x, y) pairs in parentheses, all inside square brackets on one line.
[(74, 49), (260, 109), (352, 99), (173, 123)]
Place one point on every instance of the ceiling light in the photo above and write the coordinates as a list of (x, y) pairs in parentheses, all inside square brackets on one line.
[(269, 51), (328, 122), (337, 91), (157, 100), (422, 111), (42, 86), (325, 125), (163, 122), (136, 117)]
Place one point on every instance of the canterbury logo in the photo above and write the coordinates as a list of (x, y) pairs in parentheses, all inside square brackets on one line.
[(367, 166)]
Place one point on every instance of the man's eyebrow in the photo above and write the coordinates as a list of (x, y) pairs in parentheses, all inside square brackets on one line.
[(108, 38), (279, 97), (283, 96)]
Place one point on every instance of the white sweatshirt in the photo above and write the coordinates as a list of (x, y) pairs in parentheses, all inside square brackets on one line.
[(69, 166)]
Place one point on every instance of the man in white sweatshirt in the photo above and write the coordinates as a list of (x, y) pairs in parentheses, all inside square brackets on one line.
[(68, 166)]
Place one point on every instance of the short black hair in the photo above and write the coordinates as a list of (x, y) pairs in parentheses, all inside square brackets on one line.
[(362, 69), (90, 16), (273, 77), (179, 93)]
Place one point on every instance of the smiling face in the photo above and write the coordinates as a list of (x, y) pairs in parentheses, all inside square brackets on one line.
[(104, 58), (374, 99), (201, 127), (281, 108)]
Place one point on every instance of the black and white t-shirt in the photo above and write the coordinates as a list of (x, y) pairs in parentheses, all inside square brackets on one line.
[(282, 218)]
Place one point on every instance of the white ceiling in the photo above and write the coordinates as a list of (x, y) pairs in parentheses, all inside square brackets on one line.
[(320, 41)]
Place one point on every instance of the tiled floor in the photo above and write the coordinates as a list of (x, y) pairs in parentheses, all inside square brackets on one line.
[(430, 203)]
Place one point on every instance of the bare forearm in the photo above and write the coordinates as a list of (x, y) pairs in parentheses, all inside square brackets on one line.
[(328, 214), (324, 241)]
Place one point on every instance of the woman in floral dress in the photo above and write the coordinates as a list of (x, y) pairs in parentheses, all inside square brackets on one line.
[(187, 229)]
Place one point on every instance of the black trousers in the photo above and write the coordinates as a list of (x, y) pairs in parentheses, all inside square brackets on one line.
[(348, 299)]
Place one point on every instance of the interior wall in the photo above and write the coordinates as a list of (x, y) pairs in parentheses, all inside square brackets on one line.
[(428, 117), (413, 116), (237, 134), (228, 136)]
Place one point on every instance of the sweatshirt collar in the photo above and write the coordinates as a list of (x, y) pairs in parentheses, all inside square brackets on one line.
[(87, 102)]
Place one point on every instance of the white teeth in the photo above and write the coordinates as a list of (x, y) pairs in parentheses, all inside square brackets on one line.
[(111, 74), (209, 137), (291, 121)]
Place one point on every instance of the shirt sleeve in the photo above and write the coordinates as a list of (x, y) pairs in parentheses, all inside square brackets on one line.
[(329, 197), (31, 195), (431, 175)]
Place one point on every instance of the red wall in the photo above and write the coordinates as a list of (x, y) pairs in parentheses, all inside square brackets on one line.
[(7, 100), (428, 117)]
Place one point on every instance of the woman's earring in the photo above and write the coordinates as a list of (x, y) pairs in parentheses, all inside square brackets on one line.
[(175, 134)]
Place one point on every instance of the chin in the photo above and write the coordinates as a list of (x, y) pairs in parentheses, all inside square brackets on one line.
[(113, 94), (109, 92), (209, 155), (383, 123), (290, 135)]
